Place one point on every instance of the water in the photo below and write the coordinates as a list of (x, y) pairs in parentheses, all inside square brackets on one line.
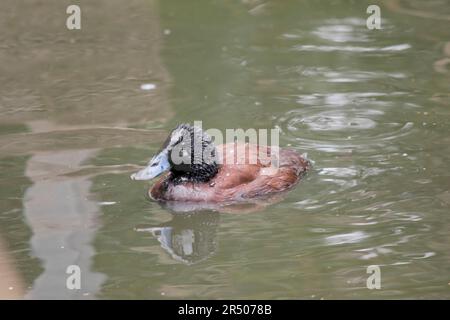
[(81, 110)]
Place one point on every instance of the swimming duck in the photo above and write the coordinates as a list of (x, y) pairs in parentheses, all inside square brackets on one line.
[(225, 173)]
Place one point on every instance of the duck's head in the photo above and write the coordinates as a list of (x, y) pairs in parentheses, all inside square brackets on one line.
[(189, 154)]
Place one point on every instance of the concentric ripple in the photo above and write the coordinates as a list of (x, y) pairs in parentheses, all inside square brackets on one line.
[(343, 129)]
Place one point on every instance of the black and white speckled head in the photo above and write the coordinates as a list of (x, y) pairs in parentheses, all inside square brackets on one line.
[(189, 154)]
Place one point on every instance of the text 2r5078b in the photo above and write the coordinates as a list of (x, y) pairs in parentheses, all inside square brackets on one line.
[(246, 309)]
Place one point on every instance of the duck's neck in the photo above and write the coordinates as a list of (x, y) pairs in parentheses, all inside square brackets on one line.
[(198, 173)]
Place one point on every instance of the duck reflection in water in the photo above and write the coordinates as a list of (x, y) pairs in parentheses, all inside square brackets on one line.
[(191, 235), (188, 238)]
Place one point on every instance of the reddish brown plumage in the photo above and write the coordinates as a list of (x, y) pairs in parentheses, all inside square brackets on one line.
[(237, 179)]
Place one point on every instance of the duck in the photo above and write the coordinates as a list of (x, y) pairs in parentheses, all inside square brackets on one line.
[(195, 170)]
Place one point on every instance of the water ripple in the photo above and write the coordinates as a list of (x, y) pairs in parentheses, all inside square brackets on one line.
[(337, 130), (353, 237), (358, 49)]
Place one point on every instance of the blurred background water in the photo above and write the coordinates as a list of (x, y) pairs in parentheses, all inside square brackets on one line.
[(82, 109)]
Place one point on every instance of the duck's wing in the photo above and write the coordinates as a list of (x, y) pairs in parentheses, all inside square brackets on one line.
[(273, 179)]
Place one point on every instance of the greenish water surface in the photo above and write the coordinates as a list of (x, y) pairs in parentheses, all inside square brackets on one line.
[(371, 108)]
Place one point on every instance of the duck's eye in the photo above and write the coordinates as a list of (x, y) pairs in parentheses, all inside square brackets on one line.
[(154, 165)]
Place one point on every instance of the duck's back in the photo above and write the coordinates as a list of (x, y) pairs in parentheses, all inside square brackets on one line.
[(246, 172)]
